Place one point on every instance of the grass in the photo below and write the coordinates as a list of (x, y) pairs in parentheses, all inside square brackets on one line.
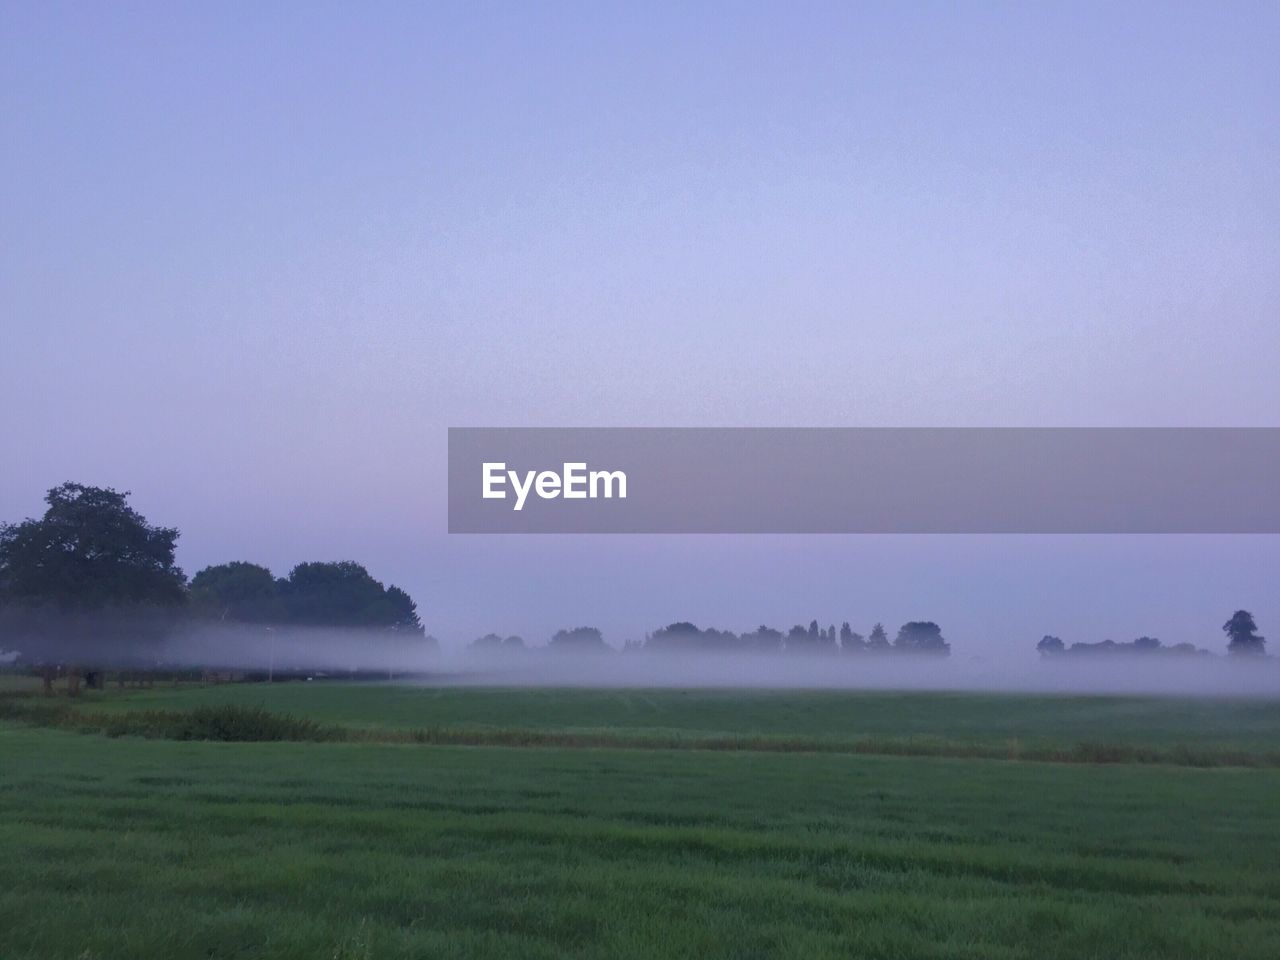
[(137, 848), (1067, 728)]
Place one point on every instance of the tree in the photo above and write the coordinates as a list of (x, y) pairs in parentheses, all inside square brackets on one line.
[(237, 591), (878, 642), (851, 641), (921, 636), (343, 594), (401, 611), (89, 550), (1242, 634), (764, 639), (89, 575), (813, 639), (579, 640), (685, 637), (1050, 646), (493, 644), (489, 643)]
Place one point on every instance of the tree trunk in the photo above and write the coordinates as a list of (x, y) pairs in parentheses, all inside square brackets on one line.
[(46, 677), (73, 682)]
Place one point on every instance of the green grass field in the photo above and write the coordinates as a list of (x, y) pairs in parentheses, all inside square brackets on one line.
[(1002, 725), (131, 848)]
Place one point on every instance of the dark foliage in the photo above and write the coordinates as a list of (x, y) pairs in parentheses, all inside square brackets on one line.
[(921, 636), (579, 640), (1242, 635)]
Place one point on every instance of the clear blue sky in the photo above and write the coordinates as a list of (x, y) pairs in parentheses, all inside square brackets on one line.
[(254, 259)]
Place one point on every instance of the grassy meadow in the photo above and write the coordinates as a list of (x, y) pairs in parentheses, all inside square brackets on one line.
[(1203, 730), (123, 847)]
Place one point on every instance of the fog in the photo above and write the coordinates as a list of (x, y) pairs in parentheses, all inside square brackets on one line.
[(152, 640), (323, 652)]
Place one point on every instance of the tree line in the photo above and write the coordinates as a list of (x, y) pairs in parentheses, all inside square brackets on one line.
[(1242, 640), (92, 583), (914, 637)]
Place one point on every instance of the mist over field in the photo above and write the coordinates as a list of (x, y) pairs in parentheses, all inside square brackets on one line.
[(332, 652)]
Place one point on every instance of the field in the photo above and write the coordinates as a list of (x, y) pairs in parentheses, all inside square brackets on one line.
[(136, 848)]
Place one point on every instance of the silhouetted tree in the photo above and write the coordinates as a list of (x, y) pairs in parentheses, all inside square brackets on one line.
[(1242, 634), (88, 580), (1188, 648), (878, 642), (579, 639), (851, 642), (1050, 646), (237, 591), (921, 636), (493, 643), (345, 595), (762, 640), (811, 639), (683, 636), (1146, 645), (89, 550), (400, 610)]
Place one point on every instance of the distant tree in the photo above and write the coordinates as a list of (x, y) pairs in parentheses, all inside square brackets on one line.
[(797, 640), (850, 641), (489, 643), (921, 636), (683, 636), (878, 642), (88, 580), (1242, 635), (1050, 646), (762, 639), (579, 640), (343, 594), (1102, 647), (237, 591), (812, 639), (675, 637), (493, 643), (1146, 645)]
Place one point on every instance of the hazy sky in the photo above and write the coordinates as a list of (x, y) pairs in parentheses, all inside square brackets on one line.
[(255, 258)]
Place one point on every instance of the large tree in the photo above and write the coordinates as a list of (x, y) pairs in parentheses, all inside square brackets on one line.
[(1242, 635), (921, 636), (86, 584), (237, 591), (579, 640), (343, 594)]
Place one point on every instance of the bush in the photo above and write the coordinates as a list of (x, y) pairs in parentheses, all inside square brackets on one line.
[(226, 723)]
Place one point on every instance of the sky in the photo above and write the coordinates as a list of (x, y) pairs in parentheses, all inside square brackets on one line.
[(255, 259)]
